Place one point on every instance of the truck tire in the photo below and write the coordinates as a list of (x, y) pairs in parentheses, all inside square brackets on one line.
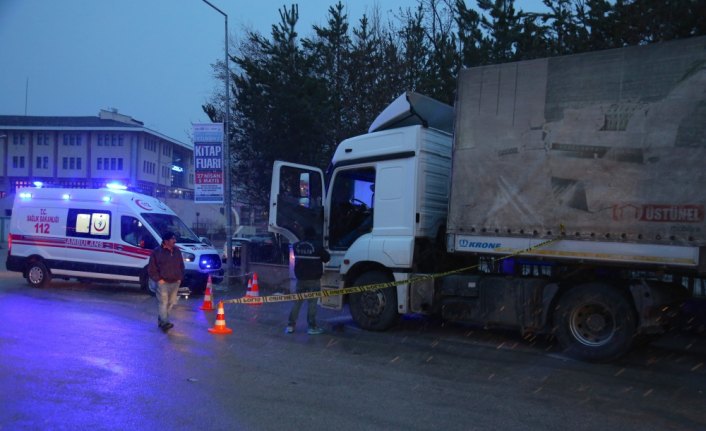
[(594, 322), (38, 274), (374, 310)]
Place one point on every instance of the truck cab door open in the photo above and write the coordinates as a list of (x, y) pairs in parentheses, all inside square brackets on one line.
[(296, 200)]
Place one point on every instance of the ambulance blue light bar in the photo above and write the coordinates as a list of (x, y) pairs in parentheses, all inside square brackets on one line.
[(116, 186)]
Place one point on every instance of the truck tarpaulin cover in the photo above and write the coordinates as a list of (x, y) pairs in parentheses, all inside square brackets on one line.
[(609, 143)]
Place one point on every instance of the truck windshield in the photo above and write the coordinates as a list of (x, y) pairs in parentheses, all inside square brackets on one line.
[(165, 222)]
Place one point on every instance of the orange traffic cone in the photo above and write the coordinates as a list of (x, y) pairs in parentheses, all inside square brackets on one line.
[(207, 303), (220, 326), (253, 289)]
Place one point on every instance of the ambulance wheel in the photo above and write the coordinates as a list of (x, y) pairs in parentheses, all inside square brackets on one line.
[(374, 310), (144, 283), (37, 274), (198, 286)]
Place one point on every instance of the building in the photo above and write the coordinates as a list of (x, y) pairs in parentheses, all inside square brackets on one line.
[(89, 152)]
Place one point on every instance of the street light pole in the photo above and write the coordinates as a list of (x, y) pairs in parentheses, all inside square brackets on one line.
[(226, 153)]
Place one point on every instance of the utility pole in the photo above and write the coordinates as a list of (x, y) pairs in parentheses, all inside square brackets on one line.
[(226, 153)]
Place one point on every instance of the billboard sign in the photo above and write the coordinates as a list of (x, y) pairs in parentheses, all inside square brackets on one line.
[(209, 181)]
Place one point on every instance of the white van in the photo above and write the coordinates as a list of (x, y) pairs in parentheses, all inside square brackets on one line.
[(101, 234)]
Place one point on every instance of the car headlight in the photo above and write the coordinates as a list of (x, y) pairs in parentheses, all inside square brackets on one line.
[(188, 257)]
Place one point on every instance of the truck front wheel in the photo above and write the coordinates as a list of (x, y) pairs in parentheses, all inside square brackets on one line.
[(594, 322), (374, 310), (38, 274)]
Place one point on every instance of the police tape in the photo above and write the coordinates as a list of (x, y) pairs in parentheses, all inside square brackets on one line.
[(368, 287)]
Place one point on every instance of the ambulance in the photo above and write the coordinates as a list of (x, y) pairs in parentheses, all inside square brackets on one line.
[(99, 234)]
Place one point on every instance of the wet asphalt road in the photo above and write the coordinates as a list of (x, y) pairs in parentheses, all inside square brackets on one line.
[(85, 356)]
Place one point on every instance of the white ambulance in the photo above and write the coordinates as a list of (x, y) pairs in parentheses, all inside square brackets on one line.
[(103, 234)]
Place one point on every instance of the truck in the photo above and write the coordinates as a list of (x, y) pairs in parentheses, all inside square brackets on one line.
[(571, 189), (99, 234)]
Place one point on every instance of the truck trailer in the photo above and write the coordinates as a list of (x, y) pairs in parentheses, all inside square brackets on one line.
[(571, 188)]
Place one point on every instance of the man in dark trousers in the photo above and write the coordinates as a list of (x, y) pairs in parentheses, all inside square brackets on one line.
[(309, 255), (166, 268)]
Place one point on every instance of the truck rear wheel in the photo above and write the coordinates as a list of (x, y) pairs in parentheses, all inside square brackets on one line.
[(374, 310), (38, 274), (594, 322)]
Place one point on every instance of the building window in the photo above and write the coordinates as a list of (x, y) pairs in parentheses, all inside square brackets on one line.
[(18, 140), (43, 139), (99, 166), (65, 163), (149, 167), (120, 140), (72, 163), (78, 140), (151, 145), (120, 164), (78, 163), (42, 162)]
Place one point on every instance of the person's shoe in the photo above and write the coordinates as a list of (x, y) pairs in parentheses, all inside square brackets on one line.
[(289, 329), (315, 331), (168, 325)]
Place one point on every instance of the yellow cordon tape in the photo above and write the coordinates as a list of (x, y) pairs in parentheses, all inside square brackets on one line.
[(367, 287)]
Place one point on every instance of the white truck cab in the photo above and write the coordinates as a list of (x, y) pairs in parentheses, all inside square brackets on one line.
[(385, 200), (99, 234)]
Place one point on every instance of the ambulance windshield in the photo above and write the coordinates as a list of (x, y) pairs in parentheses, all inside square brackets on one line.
[(164, 222)]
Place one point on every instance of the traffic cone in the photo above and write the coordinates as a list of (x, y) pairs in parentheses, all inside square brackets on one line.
[(220, 326), (253, 289), (207, 303)]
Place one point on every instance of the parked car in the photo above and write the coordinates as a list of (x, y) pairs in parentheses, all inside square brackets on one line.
[(262, 247)]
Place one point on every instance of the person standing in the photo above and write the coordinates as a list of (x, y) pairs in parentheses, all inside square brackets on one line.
[(309, 256), (166, 268)]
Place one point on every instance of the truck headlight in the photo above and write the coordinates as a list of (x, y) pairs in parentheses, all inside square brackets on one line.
[(188, 257)]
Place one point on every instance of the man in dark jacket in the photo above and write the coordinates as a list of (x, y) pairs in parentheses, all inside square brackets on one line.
[(166, 268), (308, 268)]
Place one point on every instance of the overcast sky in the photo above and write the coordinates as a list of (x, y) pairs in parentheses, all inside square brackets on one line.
[(150, 59)]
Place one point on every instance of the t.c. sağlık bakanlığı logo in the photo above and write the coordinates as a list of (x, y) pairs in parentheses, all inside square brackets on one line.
[(144, 205), (99, 224)]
